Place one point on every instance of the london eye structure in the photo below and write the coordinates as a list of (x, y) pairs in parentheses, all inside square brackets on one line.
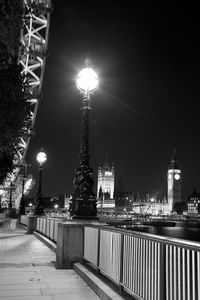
[(32, 56)]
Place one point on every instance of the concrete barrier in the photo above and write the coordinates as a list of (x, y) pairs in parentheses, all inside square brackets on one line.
[(70, 242), (69, 245), (31, 224)]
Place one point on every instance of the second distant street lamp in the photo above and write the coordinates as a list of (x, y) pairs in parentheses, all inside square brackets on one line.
[(22, 202), (39, 207), (1, 194), (10, 200), (83, 203)]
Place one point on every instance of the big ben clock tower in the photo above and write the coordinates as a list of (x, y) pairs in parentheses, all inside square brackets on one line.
[(174, 182)]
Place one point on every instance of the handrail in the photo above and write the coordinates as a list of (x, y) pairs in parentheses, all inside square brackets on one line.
[(148, 266), (154, 237)]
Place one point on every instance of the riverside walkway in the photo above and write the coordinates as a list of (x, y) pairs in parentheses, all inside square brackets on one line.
[(27, 271)]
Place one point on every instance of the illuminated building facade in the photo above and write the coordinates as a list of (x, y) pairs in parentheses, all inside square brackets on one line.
[(174, 182), (105, 186), (193, 204)]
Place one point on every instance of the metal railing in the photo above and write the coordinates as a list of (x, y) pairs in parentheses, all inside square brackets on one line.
[(45, 225), (148, 266), (24, 219), (48, 227)]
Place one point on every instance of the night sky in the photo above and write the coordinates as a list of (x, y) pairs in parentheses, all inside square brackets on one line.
[(147, 56)]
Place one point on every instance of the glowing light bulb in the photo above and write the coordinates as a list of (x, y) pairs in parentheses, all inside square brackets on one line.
[(41, 157), (87, 80)]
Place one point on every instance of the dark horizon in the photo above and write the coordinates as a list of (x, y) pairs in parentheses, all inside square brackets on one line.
[(147, 57)]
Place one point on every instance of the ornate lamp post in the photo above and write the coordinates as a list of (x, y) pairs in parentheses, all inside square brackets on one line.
[(22, 202), (83, 203), (39, 208), (1, 194), (10, 199)]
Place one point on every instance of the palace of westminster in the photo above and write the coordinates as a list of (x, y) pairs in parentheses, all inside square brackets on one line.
[(111, 198)]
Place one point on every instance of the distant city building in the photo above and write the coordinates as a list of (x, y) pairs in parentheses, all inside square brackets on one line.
[(67, 201), (174, 182), (120, 194), (193, 203), (152, 207), (106, 185), (48, 202)]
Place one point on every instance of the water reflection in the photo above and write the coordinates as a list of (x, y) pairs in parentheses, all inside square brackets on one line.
[(192, 234)]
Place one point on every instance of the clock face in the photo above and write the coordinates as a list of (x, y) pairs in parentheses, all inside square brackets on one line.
[(177, 176), (170, 176)]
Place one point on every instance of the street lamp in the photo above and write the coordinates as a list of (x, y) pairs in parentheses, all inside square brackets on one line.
[(1, 194), (39, 208), (22, 202), (10, 199), (83, 203)]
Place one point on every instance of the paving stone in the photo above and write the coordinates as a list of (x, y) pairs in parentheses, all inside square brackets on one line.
[(27, 286), (69, 284), (89, 296), (40, 297), (67, 291), (22, 292)]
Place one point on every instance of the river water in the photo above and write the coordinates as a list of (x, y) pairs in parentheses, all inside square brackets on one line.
[(192, 234)]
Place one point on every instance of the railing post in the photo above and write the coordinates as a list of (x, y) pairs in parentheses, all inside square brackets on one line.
[(53, 230), (162, 272), (121, 264), (83, 245), (45, 233), (98, 251), (31, 224)]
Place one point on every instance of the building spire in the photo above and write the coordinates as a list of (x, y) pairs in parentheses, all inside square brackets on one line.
[(174, 157), (106, 159), (174, 164)]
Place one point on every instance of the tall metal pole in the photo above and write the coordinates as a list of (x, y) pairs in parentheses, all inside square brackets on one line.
[(39, 192), (84, 147), (22, 202), (10, 200), (1, 194), (39, 208), (83, 198)]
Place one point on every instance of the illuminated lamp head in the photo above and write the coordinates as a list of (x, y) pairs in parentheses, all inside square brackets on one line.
[(87, 80), (41, 158)]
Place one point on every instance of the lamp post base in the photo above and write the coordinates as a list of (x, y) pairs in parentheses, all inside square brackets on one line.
[(83, 203), (83, 209), (85, 218), (39, 208)]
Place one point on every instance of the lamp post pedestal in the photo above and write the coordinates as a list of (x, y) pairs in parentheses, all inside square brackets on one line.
[(83, 200)]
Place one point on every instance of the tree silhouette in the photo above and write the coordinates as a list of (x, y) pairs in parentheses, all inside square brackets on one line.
[(15, 110)]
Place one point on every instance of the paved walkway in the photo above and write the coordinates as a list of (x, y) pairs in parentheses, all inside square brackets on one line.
[(27, 272)]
